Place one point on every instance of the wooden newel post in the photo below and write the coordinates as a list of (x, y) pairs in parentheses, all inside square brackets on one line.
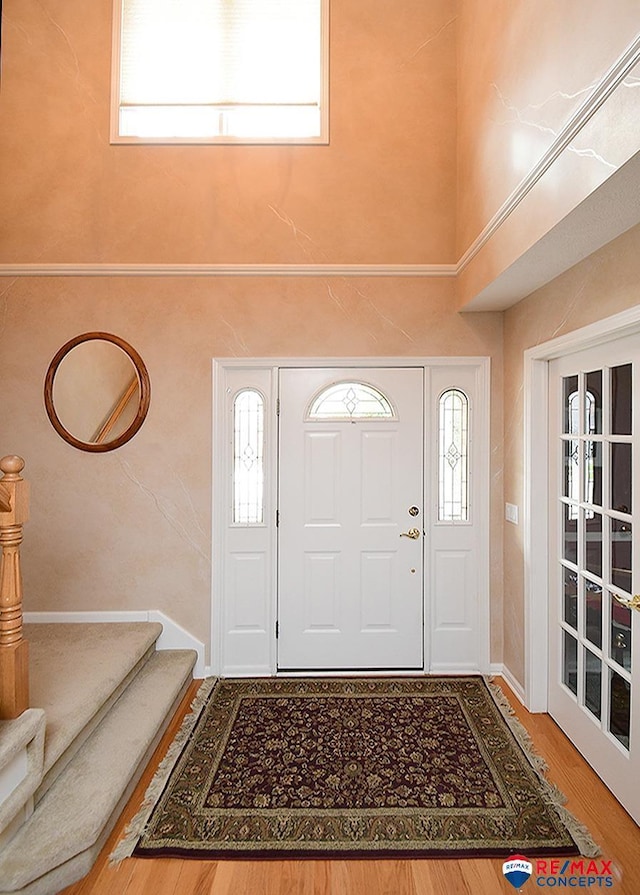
[(14, 651)]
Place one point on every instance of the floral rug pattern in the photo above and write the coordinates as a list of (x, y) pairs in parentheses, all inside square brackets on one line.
[(338, 767)]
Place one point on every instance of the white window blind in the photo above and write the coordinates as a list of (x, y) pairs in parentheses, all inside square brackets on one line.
[(221, 68)]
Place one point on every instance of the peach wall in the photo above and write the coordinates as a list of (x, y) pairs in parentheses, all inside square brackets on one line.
[(381, 192), (604, 284), (131, 529), (524, 69)]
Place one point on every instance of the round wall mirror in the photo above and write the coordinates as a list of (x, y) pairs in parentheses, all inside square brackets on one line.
[(97, 392)]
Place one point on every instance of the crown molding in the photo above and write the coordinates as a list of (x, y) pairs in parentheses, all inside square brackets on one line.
[(228, 270), (609, 82)]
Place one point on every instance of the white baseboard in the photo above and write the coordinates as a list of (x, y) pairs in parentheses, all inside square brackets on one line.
[(450, 668), (48, 618), (246, 671), (510, 680), (173, 636)]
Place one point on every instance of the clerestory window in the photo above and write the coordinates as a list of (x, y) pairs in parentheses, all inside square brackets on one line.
[(220, 71)]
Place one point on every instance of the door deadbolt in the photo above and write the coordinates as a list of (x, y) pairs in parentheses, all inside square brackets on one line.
[(413, 511)]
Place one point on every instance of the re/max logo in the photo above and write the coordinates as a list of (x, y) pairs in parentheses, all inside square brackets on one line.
[(574, 874), (574, 868)]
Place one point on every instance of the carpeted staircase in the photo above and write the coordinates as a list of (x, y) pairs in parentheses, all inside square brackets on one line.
[(102, 696)]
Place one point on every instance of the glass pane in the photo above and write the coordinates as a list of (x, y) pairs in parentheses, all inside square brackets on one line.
[(593, 612), (180, 57), (620, 708), (570, 404), (248, 458), (570, 533), (571, 482), (570, 662), (621, 400), (571, 598), (593, 472), (620, 634), (593, 544), (621, 554), (349, 401), (621, 477), (593, 403), (453, 457), (592, 683)]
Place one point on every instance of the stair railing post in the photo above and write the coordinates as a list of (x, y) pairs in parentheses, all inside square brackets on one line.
[(14, 650)]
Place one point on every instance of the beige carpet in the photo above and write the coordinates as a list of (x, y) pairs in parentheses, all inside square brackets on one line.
[(76, 671)]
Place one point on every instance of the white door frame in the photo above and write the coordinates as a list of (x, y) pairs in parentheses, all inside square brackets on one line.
[(269, 368), (536, 489)]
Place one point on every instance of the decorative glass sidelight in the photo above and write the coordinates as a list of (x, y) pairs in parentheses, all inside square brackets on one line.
[(453, 456), (248, 458), (596, 545)]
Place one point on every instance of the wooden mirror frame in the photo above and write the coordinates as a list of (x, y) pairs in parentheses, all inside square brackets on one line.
[(143, 402)]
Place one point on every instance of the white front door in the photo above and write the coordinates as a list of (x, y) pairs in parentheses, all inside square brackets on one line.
[(594, 631), (351, 519)]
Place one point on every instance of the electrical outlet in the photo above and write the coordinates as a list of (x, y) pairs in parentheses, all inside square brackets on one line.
[(511, 513)]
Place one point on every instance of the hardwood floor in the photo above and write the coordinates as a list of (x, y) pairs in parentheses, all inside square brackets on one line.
[(588, 799)]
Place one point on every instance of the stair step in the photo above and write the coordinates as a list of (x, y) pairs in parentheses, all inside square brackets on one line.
[(62, 839), (76, 672), (21, 753)]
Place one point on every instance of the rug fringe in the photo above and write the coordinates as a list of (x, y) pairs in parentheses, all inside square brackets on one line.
[(517, 728), (581, 835), (134, 830), (135, 827), (577, 830)]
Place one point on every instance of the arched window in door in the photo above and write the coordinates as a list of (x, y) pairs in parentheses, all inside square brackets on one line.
[(350, 401)]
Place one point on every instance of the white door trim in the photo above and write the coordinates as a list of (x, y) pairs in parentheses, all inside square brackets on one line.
[(222, 366), (536, 490)]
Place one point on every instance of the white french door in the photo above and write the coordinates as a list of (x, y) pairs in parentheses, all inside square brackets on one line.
[(351, 519), (594, 625)]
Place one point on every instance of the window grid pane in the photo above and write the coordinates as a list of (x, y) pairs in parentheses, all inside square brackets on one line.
[(453, 457), (597, 529), (248, 458)]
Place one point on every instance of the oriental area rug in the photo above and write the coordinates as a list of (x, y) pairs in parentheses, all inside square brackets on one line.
[(352, 767)]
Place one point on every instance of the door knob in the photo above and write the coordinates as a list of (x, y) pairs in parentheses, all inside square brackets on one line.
[(413, 533)]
